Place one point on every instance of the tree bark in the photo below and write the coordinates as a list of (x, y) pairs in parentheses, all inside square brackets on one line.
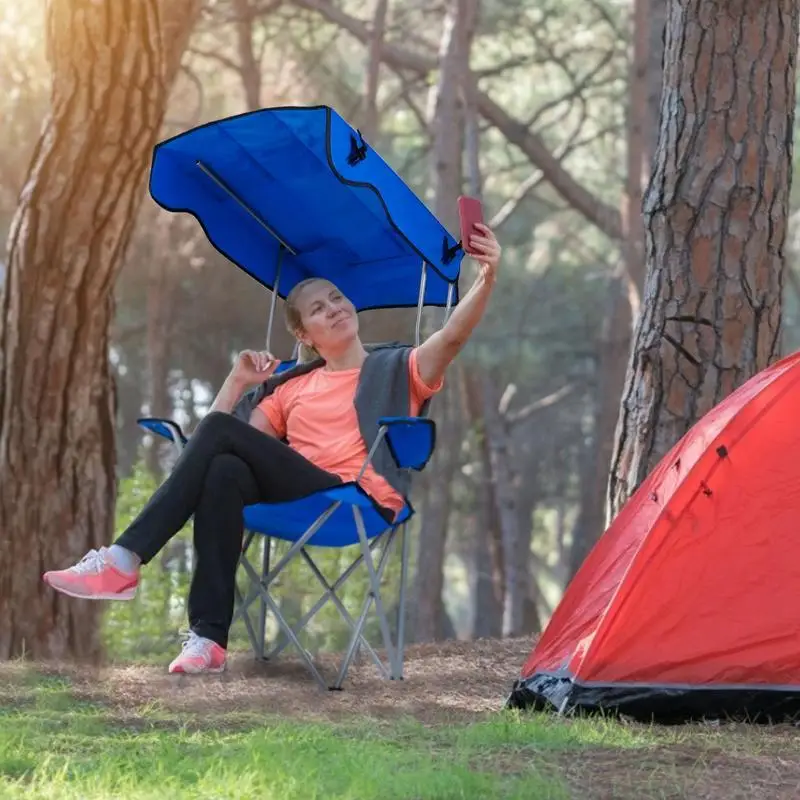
[(446, 110), (612, 352), (715, 213), (638, 169), (429, 611), (446, 115), (625, 289), (113, 66), (656, 25), (488, 580), (159, 306), (249, 64), (369, 125), (504, 493)]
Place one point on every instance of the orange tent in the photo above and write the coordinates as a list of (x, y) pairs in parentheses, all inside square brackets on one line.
[(689, 604)]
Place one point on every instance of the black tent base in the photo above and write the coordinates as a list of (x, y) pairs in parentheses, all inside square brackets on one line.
[(665, 705)]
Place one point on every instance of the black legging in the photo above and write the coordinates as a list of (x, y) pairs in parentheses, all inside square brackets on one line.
[(226, 465)]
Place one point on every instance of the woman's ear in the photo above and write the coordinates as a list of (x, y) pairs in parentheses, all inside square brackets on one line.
[(300, 335)]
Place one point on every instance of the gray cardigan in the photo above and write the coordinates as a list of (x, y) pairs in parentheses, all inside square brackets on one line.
[(383, 391)]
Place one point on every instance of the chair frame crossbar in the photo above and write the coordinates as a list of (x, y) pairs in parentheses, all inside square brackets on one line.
[(288, 634)]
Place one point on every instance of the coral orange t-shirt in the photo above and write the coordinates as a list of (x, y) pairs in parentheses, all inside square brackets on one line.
[(316, 415)]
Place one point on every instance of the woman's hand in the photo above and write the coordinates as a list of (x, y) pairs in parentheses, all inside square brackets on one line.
[(253, 367), (486, 251)]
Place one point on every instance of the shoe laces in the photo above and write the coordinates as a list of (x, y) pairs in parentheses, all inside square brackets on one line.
[(93, 562), (194, 645)]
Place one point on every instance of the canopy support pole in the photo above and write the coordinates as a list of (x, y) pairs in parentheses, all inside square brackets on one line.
[(449, 308), (225, 188), (274, 300), (420, 300)]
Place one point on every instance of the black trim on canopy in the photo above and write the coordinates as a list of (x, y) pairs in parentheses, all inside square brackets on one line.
[(666, 705)]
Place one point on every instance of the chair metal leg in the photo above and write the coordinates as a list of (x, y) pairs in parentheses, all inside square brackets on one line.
[(375, 585), (241, 604), (331, 594), (262, 615), (251, 633), (259, 590), (290, 554), (401, 607), (286, 627), (301, 542), (306, 618), (354, 639), (357, 635)]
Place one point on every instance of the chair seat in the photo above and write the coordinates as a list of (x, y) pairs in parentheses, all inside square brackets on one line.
[(289, 521)]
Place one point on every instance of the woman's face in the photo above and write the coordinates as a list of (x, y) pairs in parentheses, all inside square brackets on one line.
[(329, 319)]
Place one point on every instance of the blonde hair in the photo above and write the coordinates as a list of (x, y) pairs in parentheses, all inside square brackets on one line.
[(294, 322)]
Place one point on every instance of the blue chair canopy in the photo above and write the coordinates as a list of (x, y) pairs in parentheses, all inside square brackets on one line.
[(304, 179)]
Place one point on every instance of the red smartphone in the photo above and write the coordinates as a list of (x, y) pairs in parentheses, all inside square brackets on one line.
[(470, 211)]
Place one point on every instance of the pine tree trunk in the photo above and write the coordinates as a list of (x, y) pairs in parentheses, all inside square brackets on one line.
[(159, 307), (429, 611), (504, 493), (369, 113), (625, 290), (488, 579), (249, 63), (113, 65), (445, 113), (715, 218)]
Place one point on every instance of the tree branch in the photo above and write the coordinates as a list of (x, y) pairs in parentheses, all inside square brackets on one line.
[(541, 403), (510, 206), (606, 217), (214, 56)]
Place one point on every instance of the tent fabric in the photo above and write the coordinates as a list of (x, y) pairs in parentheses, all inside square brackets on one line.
[(687, 606), (305, 177)]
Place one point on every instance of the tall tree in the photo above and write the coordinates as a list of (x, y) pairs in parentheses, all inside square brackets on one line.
[(369, 125), (623, 301), (446, 115), (113, 64), (715, 219)]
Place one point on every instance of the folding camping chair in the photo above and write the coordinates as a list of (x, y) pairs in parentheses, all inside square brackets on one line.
[(292, 193)]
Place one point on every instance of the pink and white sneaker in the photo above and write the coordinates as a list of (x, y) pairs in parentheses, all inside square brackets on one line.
[(199, 655), (94, 577)]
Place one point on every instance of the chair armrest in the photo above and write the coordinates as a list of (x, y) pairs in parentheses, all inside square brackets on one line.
[(411, 440), (284, 365), (166, 428)]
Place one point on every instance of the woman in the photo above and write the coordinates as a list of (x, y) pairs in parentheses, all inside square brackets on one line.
[(326, 410)]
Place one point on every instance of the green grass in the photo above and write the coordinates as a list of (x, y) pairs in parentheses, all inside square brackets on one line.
[(55, 744)]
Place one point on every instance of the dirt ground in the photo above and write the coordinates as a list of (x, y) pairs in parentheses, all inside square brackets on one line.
[(455, 681)]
